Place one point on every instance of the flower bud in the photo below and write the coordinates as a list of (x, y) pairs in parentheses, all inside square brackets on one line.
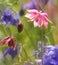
[(20, 27)]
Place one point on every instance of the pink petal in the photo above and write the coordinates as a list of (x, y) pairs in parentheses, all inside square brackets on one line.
[(44, 14), (28, 15), (33, 11), (40, 23), (39, 18), (5, 40), (46, 24), (35, 23)]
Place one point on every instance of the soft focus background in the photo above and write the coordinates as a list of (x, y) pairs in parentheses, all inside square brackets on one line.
[(29, 37)]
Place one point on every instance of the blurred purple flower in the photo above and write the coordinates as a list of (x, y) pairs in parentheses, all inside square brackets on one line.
[(48, 48), (9, 19), (30, 5), (51, 56), (11, 51), (15, 21)]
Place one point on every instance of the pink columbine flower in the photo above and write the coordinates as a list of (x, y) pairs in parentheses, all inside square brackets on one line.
[(10, 41), (39, 18)]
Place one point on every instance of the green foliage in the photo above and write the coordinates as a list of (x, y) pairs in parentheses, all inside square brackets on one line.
[(27, 39)]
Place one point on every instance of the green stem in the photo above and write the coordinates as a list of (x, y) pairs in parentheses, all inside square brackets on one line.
[(33, 44), (8, 30), (42, 44), (26, 54), (3, 29)]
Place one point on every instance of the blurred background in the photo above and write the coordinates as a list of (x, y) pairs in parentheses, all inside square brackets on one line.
[(28, 39)]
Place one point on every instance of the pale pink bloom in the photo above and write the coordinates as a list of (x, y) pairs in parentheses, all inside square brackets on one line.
[(39, 18), (32, 14)]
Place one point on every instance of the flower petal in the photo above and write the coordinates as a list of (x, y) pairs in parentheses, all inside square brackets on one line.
[(35, 23)]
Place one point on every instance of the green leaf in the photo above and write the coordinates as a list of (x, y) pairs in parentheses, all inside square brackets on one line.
[(49, 35)]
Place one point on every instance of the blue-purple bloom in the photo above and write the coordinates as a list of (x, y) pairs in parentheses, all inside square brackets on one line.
[(8, 18), (51, 56), (31, 5), (11, 51)]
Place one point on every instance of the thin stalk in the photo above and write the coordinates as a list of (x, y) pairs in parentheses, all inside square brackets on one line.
[(3, 30), (42, 44), (42, 53), (8, 30), (33, 44), (26, 54)]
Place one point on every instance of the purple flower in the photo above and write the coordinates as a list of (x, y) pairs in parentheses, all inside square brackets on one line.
[(11, 51), (9, 19), (51, 56), (15, 21), (30, 5)]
